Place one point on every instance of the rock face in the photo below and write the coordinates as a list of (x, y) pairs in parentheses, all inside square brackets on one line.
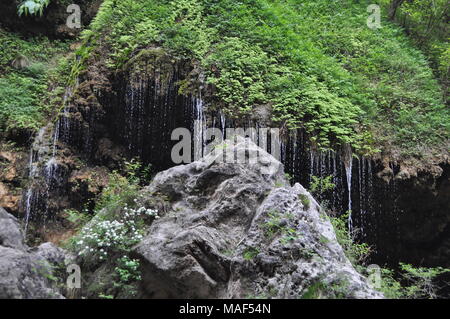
[(25, 273), (11, 164), (11, 235), (236, 230)]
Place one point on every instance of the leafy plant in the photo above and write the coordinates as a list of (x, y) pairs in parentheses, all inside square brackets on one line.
[(340, 81), (272, 225), (33, 7), (315, 291), (102, 238), (289, 235), (411, 282), (128, 273), (75, 217), (250, 253), (320, 185), (25, 68), (420, 281), (357, 253), (306, 202)]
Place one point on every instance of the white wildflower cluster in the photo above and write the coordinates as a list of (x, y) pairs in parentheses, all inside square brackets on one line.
[(106, 236), (130, 212)]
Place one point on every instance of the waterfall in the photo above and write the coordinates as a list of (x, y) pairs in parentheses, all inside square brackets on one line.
[(140, 115), (222, 122), (302, 162), (348, 173), (199, 128), (43, 164), (33, 172), (362, 192)]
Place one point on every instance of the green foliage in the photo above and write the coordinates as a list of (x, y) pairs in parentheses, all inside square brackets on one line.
[(109, 235), (122, 190), (289, 235), (272, 225), (420, 280), (128, 273), (128, 269), (77, 218), (20, 106), (390, 287), (241, 74), (118, 224), (250, 253), (315, 291), (411, 282), (278, 224), (427, 24), (136, 172), (357, 253), (33, 7), (320, 289), (320, 185), (35, 49), (118, 193), (315, 63), (306, 202), (25, 68)]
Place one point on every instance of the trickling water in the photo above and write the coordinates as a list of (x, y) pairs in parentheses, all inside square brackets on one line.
[(33, 172), (144, 110), (28, 206), (199, 128), (35, 198), (348, 173)]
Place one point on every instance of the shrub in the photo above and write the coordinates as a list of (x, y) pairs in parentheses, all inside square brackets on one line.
[(340, 81), (411, 282), (20, 103), (357, 253), (420, 281), (23, 86), (103, 238), (320, 185), (33, 7), (128, 273)]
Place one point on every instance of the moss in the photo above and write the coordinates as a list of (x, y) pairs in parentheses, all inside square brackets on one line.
[(304, 199), (250, 253)]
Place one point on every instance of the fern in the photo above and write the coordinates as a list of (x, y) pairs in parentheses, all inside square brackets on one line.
[(33, 7)]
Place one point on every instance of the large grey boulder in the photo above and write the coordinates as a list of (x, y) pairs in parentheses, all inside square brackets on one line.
[(26, 273), (10, 233), (236, 230)]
